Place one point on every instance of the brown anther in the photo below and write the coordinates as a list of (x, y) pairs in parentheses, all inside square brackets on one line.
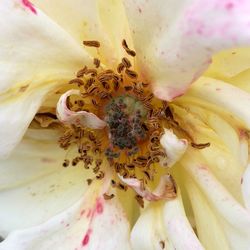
[(116, 85), (100, 175), (92, 43), (124, 44), (141, 158), (75, 161), (91, 136), (129, 51), (94, 102), (92, 72), (128, 88), (130, 166), (113, 183), (148, 98), (93, 90), (105, 85), (140, 200), (144, 85), (66, 163), (122, 187), (147, 175), (78, 81), (97, 62), (89, 181), (120, 67), (162, 244), (131, 74), (104, 95), (96, 169), (125, 173), (108, 196), (98, 162), (126, 62), (168, 113), (81, 72), (200, 145)]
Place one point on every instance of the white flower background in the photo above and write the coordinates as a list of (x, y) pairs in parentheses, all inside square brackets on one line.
[(195, 54)]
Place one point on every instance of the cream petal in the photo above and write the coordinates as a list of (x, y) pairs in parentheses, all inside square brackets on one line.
[(209, 230), (232, 217), (104, 21), (178, 228), (183, 38), (36, 55), (164, 226), (173, 146), (149, 233), (245, 185), (223, 96), (34, 185), (80, 118), (224, 151), (90, 223)]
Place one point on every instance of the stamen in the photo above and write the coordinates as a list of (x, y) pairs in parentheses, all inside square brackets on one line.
[(92, 43), (108, 196), (97, 62), (200, 145), (129, 51), (130, 133)]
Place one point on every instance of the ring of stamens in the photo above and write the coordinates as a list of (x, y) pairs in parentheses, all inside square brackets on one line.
[(131, 141)]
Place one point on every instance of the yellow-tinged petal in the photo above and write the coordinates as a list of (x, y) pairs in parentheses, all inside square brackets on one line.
[(33, 184), (149, 233), (35, 55), (90, 223), (198, 123), (229, 63), (175, 40), (164, 226), (210, 232), (245, 184), (233, 218), (222, 95), (104, 21)]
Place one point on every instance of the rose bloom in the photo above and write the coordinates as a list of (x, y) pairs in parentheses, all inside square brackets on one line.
[(124, 124)]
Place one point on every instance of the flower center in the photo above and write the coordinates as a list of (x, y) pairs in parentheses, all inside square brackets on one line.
[(134, 119), (125, 116)]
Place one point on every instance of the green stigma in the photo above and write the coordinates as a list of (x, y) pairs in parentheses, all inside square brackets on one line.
[(125, 116)]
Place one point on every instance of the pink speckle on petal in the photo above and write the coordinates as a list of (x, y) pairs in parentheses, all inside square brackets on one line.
[(99, 207), (86, 238), (229, 6), (29, 5)]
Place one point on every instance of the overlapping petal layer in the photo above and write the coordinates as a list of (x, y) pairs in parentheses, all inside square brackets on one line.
[(164, 226), (183, 38), (91, 223), (34, 185), (104, 21), (36, 55)]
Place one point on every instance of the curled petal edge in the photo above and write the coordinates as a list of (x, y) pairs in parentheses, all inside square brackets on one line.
[(174, 147), (80, 118), (166, 188)]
